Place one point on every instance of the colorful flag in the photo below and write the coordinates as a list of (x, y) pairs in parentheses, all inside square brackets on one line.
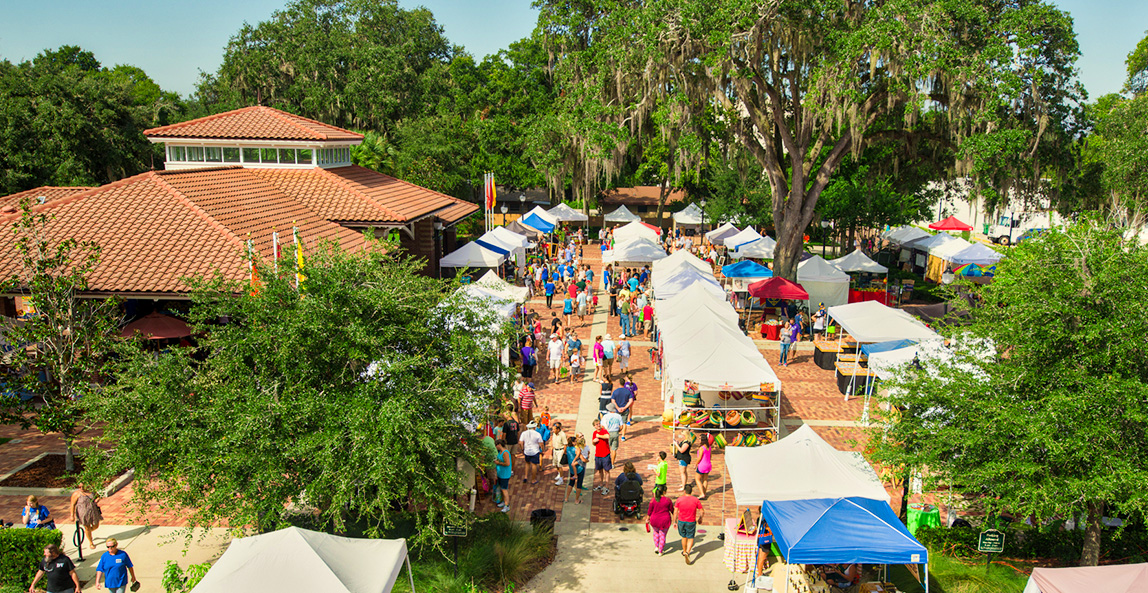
[(254, 279), (275, 250), (299, 275)]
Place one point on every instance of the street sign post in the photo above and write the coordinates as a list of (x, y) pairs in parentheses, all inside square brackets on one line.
[(990, 541), (454, 532)]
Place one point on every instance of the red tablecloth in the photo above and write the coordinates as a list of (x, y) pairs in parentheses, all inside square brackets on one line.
[(858, 296), (770, 332)]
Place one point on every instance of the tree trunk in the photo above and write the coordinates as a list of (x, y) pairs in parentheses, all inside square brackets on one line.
[(70, 458), (787, 253), (663, 191), (903, 514), (1090, 555)]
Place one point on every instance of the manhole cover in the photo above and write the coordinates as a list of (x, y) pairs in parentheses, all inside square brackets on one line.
[(623, 529)]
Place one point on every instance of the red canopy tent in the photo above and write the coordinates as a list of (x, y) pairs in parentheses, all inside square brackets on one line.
[(652, 227), (777, 288), (157, 326), (950, 224)]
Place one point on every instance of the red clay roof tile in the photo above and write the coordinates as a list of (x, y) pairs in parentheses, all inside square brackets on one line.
[(254, 123)]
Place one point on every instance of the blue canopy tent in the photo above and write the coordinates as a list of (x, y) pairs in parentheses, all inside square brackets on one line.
[(492, 247), (535, 221), (875, 347), (850, 530), (746, 269)]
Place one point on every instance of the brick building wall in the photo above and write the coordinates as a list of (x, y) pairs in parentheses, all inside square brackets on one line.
[(423, 245)]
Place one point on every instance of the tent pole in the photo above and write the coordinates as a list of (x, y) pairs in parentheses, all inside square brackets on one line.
[(411, 574), (786, 577), (926, 575)]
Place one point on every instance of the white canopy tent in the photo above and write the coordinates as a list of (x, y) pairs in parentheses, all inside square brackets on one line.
[(871, 321), (716, 366), (622, 214), (811, 468), (857, 261), (493, 284), (885, 364), (636, 252), (543, 214), (678, 258), (748, 235), (694, 299), (510, 237), (564, 213), (484, 297), (943, 249), (906, 234), (823, 281), (977, 253), (720, 234), (758, 248), (690, 216), (297, 560), (512, 244), (670, 286), (635, 230), (472, 255)]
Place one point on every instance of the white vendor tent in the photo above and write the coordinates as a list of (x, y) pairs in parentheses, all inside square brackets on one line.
[(691, 215), (634, 230), (857, 261), (564, 213), (906, 234), (490, 282), (748, 235), (1113, 578), (695, 299), (871, 321), (714, 365), (641, 251), (622, 214), (800, 466), (670, 286), (758, 248), (885, 364), (510, 237), (823, 281), (472, 255), (977, 253), (678, 258), (481, 297), (720, 234), (944, 249), (296, 560), (541, 212)]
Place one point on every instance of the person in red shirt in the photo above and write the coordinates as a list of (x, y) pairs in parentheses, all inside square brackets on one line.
[(647, 319), (602, 464), (689, 512)]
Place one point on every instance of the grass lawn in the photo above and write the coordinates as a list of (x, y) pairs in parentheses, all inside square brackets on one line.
[(955, 576)]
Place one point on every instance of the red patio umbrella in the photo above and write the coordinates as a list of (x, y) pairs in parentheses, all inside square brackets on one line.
[(950, 224), (777, 288), (652, 227), (157, 326)]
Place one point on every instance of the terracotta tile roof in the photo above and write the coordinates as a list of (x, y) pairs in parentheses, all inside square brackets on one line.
[(50, 193), (356, 195), (254, 123), (159, 227), (642, 195)]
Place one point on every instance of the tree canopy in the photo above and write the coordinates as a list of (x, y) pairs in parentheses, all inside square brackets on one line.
[(1043, 406), (802, 85), (347, 398)]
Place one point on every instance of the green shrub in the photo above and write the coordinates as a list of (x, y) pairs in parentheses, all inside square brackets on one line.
[(21, 551), (175, 580), (1023, 541)]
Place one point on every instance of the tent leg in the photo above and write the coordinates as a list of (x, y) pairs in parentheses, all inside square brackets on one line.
[(786, 577), (411, 574), (926, 576)]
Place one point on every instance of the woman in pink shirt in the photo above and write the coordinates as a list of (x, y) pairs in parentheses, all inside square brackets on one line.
[(599, 356), (659, 516), (705, 466)]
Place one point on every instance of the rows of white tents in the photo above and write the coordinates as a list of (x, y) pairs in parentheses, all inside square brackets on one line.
[(934, 254), (511, 242)]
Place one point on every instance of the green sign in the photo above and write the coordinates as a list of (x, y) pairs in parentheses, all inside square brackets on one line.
[(991, 541), (449, 530)]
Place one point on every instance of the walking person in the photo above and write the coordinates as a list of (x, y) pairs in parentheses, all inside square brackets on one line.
[(567, 309), (602, 464), (682, 454), (623, 356), (114, 567), (624, 307), (623, 399), (549, 288), (786, 337), (85, 512), (819, 319), (526, 403), (510, 430), (504, 470), (528, 359), (613, 288), (705, 466), (612, 422), (577, 455), (583, 303), (59, 570), (553, 356), (608, 349), (661, 470), (557, 452), (689, 512), (532, 452)]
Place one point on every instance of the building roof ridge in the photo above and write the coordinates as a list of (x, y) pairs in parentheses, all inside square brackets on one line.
[(291, 117), (198, 120), (79, 195), (343, 182)]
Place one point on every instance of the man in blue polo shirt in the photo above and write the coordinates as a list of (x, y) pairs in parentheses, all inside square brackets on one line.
[(114, 567)]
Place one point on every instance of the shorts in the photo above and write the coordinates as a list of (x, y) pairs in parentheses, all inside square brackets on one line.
[(613, 441), (504, 483), (577, 478), (683, 463), (626, 415), (687, 529), (581, 310), (533, 458), (649, 323), (555, 363), (624, 362), (603, 463)]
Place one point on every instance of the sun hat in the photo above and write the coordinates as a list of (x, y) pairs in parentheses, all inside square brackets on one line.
[(532, 426), (610, 407)]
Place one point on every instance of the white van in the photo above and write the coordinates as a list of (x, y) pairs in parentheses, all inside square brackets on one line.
[(1011, 226)]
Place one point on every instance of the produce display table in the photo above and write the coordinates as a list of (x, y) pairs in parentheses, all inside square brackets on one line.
[(770, 331), (852, 373), (923, 515), (740, 549), (825, 354), (849, 357)]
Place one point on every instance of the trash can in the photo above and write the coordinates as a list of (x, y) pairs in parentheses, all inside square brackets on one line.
[(542, 520)]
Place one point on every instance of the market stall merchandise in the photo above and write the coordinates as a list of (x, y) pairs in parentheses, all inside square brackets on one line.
[(622, 214), (296, 560), (824, 282), (940, 255), (564, 213), (757, 249), (718, 235)]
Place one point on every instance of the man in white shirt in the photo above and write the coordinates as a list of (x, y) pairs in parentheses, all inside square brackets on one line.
[(554, 354), (532, 449)]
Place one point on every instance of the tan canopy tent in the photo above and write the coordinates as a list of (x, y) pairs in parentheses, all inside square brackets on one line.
[(1114, 578)]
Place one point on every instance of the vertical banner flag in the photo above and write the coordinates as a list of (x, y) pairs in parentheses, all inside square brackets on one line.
[(299, 275), (275, 250), (251, 267)]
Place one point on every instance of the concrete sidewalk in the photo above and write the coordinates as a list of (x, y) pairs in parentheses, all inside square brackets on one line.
[(603, 558), (150, 548)]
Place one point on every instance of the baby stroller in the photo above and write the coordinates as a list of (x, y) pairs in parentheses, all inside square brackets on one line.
[(628, 499)]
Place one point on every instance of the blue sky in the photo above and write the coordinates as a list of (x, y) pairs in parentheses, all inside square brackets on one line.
[(173, 41)]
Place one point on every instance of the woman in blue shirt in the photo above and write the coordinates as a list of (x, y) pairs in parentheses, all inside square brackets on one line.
[(503, 471)]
